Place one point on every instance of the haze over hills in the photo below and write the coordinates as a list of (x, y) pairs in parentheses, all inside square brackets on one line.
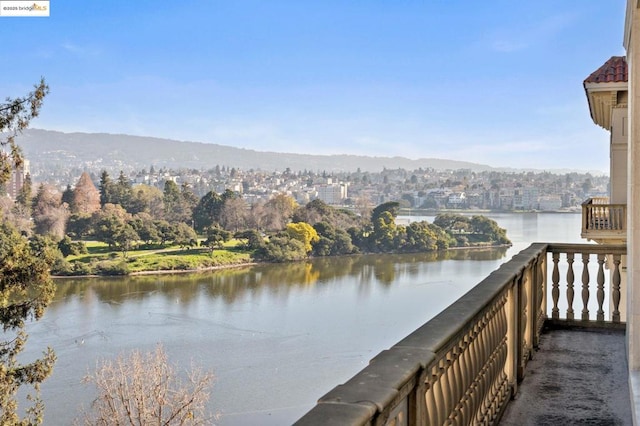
[(101, 150)]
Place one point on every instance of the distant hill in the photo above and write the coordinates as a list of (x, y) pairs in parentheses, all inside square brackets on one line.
[(101, 150)]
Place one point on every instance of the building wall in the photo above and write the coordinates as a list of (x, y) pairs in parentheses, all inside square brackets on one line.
[(619, 152), (632, 44), (332, 193), (548, 203)]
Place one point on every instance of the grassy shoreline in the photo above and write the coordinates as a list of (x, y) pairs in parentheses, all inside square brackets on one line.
[(154, 261), (100, 260)]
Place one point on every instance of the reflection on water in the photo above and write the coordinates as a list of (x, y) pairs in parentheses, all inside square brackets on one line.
[(231, 284)]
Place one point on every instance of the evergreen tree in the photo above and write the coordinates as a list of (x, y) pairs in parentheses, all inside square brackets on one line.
[(67, 197), (106, 188), (123, 191), (26, 289), (207, 212), (15, 115), (25, 286), (24, 199), (174, 208)]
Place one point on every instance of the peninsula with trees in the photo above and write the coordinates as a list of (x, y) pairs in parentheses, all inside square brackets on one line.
[(117, 228)]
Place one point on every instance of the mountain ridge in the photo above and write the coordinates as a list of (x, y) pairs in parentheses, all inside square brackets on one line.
[(113, 150)]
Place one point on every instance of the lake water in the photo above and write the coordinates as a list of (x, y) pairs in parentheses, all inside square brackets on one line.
[(277, 337)]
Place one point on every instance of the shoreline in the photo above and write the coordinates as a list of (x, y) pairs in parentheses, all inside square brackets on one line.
[(163, 271), (435, 212), (246, 264)]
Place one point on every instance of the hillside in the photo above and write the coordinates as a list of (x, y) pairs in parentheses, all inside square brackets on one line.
[(100, 150)]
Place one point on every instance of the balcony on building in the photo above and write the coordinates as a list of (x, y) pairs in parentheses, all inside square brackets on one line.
[(539, 341), (603, 222)]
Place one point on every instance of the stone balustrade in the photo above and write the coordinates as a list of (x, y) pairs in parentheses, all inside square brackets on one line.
[(464, 365), (601, 220)]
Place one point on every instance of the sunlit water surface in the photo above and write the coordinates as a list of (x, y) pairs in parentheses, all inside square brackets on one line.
[(277, 337)]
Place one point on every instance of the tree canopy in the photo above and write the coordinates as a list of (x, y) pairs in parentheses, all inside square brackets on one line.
[(25, 290), (15, 115), (86, 197)]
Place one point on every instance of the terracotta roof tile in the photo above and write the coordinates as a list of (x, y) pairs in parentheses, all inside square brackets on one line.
[(613, 71)]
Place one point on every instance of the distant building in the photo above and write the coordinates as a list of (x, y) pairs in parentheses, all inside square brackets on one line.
[(17, 179), (457, 200), (525, 198), (332, 193), (550, 202), (506, 198)]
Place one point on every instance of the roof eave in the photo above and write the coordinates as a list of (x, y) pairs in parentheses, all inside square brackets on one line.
[(599, 106)]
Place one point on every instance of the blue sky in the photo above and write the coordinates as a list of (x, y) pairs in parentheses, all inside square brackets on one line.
[(494, 82)]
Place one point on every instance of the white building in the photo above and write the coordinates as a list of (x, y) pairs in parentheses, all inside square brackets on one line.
[(332, 193), (550, 202)]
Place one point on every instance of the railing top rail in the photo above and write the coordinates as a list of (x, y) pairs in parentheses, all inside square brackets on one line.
[(605, 205), (587, 248), (596, 200)]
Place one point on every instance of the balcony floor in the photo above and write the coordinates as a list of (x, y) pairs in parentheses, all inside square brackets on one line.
[(577, 377)]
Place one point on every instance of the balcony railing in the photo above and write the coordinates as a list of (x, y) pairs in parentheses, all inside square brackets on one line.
[(464, 365), (602, 221)]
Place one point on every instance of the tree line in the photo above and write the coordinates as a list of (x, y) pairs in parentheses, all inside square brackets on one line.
[(126, 217)]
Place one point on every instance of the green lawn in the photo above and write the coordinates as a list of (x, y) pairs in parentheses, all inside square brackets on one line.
[(101, 260)]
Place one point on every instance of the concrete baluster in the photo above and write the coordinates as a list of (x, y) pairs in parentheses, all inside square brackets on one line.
[(585, 286), (430, 398), (570, 280), (465, 365), (615, 317), (600, 291), (555, 288), (539, 275)]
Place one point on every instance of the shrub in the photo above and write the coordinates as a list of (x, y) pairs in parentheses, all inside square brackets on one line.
[(61, 267), (80, 268), (106, 267)]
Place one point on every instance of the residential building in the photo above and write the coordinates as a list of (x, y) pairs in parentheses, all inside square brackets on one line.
[(525, 198), (549, 203), (332, 193), (18, 175), (456, 200)]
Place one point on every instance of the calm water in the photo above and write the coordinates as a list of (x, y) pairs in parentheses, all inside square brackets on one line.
[(277, 337)]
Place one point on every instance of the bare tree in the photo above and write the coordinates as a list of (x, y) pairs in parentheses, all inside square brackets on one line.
[(233, 216), (278, 211), (12, 213), (144, 388), (256, 217), (49, 215)]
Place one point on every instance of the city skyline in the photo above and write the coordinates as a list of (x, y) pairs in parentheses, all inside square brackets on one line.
[(498, 84)]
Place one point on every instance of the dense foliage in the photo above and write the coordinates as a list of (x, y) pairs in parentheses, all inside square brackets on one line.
[(25, 286), (128, 218)]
